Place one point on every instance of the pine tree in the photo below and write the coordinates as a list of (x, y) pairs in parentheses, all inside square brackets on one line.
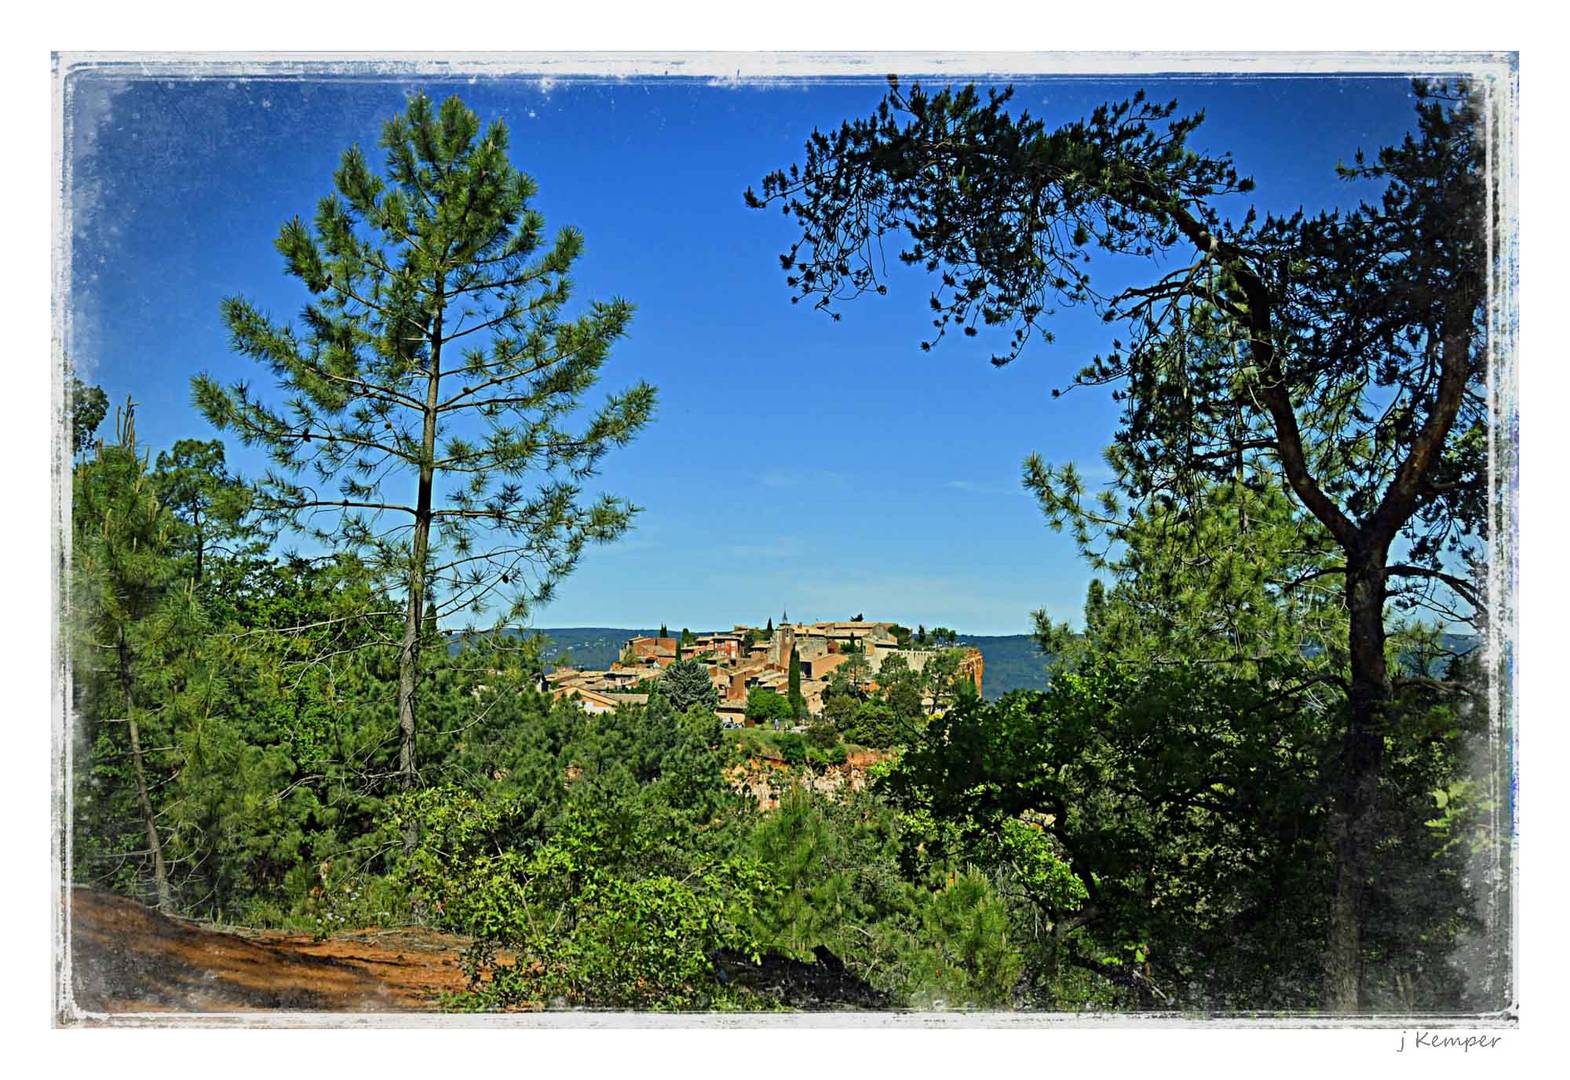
[(686, 684), (211, 505), (435, 359), (1095, 605), (129, 613), (1344, 352)]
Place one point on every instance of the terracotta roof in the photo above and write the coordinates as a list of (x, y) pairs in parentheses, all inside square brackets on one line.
[(603, 697), (826, 663)]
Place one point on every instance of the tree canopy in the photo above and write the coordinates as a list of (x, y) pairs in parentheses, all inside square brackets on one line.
[(1342, 353), (433, 387), (686, 685)]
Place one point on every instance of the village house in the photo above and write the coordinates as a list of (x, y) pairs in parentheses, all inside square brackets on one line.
[(596, 702), (649, 650), (725, 647)]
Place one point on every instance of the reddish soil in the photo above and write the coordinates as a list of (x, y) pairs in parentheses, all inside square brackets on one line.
[(127, 958)]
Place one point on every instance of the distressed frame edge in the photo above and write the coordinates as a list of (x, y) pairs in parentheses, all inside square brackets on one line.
[(1500, 67)]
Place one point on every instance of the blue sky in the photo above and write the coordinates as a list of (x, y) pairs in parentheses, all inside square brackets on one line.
[(824, 468)]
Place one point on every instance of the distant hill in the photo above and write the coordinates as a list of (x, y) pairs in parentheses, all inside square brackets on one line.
[(1013, 662), (594, 648)]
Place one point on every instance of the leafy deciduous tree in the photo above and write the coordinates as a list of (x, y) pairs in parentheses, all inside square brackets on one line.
[(89, 405), (764, 705)]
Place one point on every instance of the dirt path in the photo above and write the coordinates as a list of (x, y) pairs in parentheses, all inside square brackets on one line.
[(127, 958)]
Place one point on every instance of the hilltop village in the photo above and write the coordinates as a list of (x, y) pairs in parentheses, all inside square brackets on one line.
[(745, 660)]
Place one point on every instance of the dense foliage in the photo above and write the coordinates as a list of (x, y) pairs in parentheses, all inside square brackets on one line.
[(1342, 354), (1151, 832)]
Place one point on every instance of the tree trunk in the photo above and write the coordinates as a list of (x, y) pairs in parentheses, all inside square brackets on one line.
[(409, 653), (1362, 751), (144, 803), (196, 524)]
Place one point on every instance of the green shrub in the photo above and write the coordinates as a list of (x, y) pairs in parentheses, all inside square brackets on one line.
[(792, 747), (824, 756)]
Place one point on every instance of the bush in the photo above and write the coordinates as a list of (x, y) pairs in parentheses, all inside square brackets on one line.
[(822, 732), (836, 862), (792, 747), (599, 914), (964, 958), (822, 756), (636, 944)]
